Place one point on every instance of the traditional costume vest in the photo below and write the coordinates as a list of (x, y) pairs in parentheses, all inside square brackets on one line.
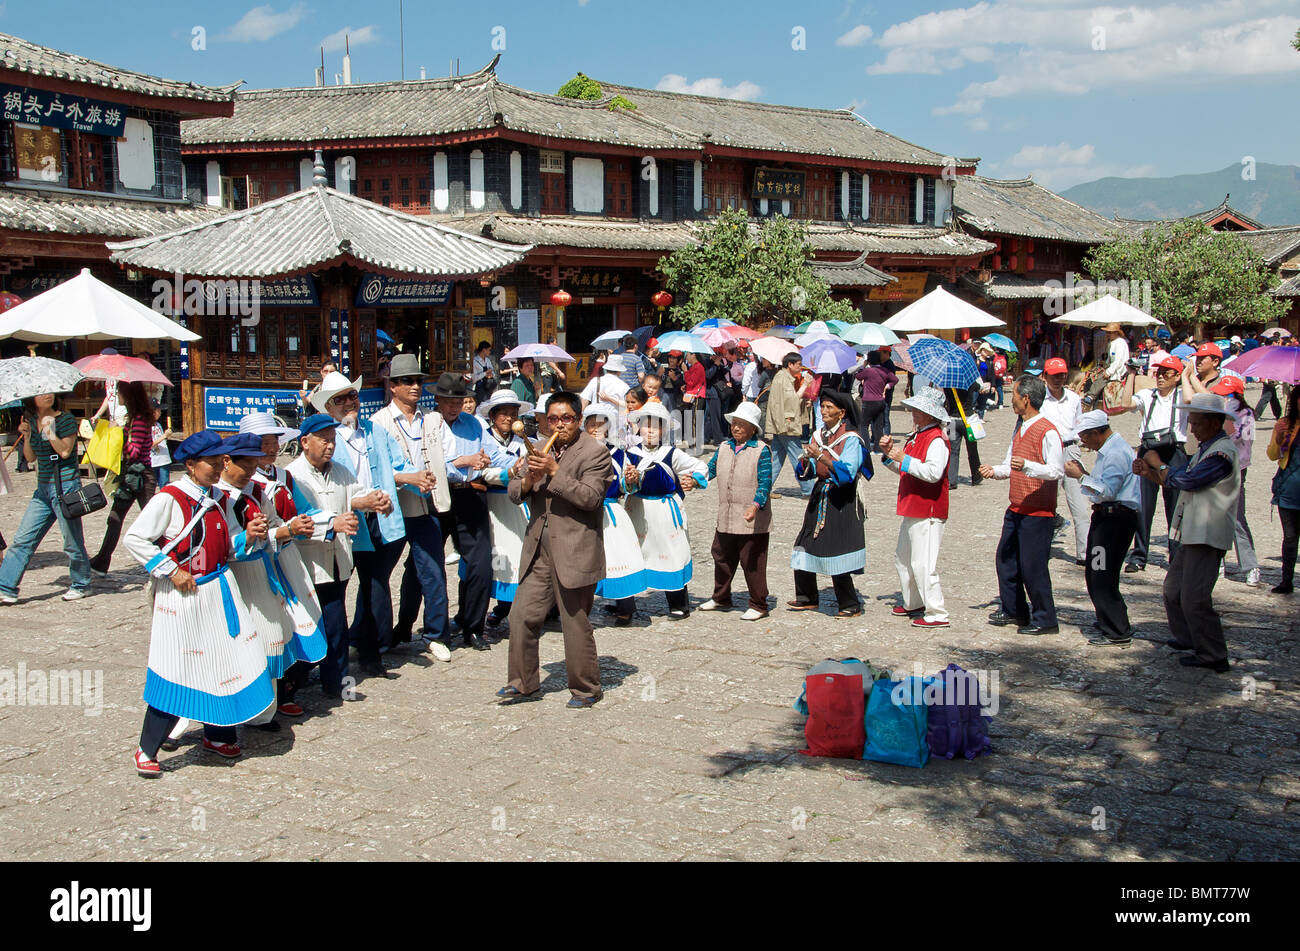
[(1031, 496), (207, 547), (917, 498), (737, 484)]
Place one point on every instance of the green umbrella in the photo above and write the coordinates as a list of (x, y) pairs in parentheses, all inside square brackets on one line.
[(870, 335)]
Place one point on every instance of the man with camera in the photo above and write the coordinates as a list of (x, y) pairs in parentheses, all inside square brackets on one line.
[(1163, 431)]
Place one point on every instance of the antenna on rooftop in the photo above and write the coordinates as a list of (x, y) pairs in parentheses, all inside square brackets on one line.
[(401, 33)]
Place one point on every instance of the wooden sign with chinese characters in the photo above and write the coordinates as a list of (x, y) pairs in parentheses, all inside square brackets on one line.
[(909, 286), (779, 183), (599, 283), (548, 328), (39, 152), (61, 110)]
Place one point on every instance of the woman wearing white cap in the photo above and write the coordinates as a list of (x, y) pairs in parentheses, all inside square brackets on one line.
[(659, 476), (624, 566), (922, 466), (509, 521)]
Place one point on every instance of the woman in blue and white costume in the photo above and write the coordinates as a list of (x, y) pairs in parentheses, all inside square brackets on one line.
[(624, 567), (205, 660), (659, 476), (509, 521)]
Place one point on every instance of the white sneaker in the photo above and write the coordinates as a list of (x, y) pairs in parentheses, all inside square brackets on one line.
[(753, 614), (1252, 577), (453, 558), (6, 600), (1222, 569), (438, 649), (711, 605), (75, 594)]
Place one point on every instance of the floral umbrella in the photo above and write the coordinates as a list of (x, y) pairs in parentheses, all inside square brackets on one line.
[(24, 377)]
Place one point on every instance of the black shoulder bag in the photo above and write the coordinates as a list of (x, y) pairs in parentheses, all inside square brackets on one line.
[(80, 501), (1163, 442)]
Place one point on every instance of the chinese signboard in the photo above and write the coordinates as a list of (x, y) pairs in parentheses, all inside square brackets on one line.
[(779, 183), (378, 290), (600, 283), (909, 286), (293, 292), (39, 153), (62, 111), (226, 407)]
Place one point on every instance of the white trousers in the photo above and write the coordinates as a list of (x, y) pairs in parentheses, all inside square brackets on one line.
[(1080, 510), (917, 560)]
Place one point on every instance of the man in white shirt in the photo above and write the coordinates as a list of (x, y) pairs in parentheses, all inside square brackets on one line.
[(608, 388), (423, 497), (1117, 368), (334, 497), (1035, 466), (1064, 407)]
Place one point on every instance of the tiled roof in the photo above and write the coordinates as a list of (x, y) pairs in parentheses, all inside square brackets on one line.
[(431, 107), (1027, 209), (315, 228), (1288, 288), (761, 126), (110, 216), (1005, 287), (1138, 225), (669, 236), (1275, 244), (855, 273), (26, 57)]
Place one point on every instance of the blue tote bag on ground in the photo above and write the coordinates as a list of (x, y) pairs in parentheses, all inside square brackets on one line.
[(896, 723)]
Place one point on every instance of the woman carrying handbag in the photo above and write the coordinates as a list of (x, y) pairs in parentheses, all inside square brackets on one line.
[(49, 441)]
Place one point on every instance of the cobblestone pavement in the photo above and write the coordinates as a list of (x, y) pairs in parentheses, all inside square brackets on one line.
[(693, 752)]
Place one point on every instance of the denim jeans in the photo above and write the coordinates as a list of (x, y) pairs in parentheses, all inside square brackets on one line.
[(42, 512), (424, 578), (791, 447)]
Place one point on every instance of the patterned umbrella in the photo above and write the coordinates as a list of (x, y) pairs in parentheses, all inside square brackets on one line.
[(868, 334), (123, 369), (25, 377), (713, 323), (835, 328), (539, 351), (945, 364), (685, 342)]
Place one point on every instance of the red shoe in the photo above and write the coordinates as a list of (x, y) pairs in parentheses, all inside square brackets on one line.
[(290, 709), (228, 750), (900, 611), (922, 622), (146, 767)]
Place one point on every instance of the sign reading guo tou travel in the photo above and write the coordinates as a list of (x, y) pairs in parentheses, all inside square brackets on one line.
[(61, 111)]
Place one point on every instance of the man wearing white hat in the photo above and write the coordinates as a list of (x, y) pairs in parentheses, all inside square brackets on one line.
[(608, 387), (1116, 497), (375, 460), (1204, 525), (922, 466)]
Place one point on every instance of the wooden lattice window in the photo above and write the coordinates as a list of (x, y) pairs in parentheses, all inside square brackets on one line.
[(554, 198), (725, 186), (620, 189), (891, 198), (818, 199)]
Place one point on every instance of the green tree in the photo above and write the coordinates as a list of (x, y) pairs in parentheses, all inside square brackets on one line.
[(584, 87), (1197, 275), (1296, 40), (751, 275)]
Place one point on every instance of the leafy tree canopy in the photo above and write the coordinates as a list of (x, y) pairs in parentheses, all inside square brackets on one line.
[(581, 87), (751, 275), (1197, 275)]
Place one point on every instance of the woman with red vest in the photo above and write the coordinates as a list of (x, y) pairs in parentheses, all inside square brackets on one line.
[(922, 466), (1035, 464), (205, 660)]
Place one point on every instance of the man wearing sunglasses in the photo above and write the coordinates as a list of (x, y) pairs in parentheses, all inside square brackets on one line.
[(423, 496), (563, 557)]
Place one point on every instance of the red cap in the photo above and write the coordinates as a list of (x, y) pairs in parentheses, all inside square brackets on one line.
[(1229, 384), (1209, 350), (1056, 365), (1169, 362)]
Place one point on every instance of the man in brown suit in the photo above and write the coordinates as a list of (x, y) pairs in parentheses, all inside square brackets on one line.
[(563, 554)]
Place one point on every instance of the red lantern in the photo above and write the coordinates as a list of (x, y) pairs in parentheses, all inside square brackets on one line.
[(561, 299), (662, 300)]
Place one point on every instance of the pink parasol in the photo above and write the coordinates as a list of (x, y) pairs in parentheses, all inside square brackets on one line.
[(120, 368)]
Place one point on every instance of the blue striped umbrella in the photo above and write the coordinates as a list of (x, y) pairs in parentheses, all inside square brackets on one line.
[(945, 364)]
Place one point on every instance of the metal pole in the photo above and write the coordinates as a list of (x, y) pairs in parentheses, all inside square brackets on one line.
[(401, 32)]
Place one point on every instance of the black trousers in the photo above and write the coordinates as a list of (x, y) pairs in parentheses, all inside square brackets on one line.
[(972, 458), (1150, 491), (158, 724), (1268, 398), (113, 529), (805, 590), (872, 425), (334, 614), (1109, 537), (1024, 581), (372, 619), (469, 528), (1290, 542), (679, 600), (1189, 601)]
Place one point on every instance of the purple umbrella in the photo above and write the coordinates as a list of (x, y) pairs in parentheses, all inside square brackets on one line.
[(1281, 364), (829, 356)]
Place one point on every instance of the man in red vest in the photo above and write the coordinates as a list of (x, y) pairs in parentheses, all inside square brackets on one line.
[(922, 465), (1035, 465)]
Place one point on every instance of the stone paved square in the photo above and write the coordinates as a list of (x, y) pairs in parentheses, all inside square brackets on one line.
[(693, 754)]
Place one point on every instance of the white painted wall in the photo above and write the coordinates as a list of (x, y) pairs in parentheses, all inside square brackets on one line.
[(213, 170), (699, 185), (477, 196), (342, 180), (942, 199), (653, 185), (920, 201), (866, 197), (588, 185), (306, 172), (441, 190), (844, 195), (135, 155), (516, 180)]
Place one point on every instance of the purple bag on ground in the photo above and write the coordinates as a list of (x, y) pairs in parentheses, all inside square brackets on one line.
[(956, 726)]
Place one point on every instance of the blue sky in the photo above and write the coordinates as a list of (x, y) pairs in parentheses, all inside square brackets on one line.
[(1065, 90)]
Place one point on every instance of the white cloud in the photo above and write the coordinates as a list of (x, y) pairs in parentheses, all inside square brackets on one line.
[(262, 23), (334, 43), (1062, 165), (978, 124), (1070, 47), (855, 37), (965, 107), (710, 87)]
